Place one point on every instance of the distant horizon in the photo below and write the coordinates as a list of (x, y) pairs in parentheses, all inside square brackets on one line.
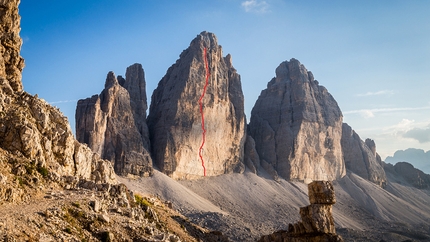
[(373, 57)]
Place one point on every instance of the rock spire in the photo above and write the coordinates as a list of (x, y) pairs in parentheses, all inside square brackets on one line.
[(361, 158), (297, 126), (317, 220), (175, 121), (113, 124)]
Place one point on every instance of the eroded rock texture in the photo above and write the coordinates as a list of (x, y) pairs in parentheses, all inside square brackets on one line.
[(35, 136), (252, 160), (361, 158), (113, 124), (317, 223), (297, 126), (11, 62), (175, 120)]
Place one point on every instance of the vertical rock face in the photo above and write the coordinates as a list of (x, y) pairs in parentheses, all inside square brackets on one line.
[(297, 126), (33, 133), (11, 63), (136, 86), (113, 124), (317, 220), (361, 158), (175, 120), (252, 160)]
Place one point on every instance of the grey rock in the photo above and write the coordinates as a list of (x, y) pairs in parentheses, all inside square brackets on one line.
[(175, 121), (407, 172), (297, 126), (135, 84), (113, 124), (360, 158), (252, 160)]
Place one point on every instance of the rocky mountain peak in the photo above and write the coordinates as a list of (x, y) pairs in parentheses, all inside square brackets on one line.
[(361, 158), (183, 100), (206, 40), (111, 80), (135, 84), (297, 126), (113, 124), (372, 146)]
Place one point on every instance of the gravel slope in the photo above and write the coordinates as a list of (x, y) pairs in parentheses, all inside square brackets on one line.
[(245, 206)]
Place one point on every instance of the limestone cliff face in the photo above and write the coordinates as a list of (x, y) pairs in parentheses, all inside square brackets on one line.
[(361, 158), (11, 63), (297, 126), (33, 134), (113, 124), (135, 84), (175, 120)]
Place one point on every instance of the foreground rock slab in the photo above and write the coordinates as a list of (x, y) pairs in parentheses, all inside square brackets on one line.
[(36, 141)]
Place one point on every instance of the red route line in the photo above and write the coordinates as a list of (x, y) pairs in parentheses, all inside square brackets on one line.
[(201, 110)]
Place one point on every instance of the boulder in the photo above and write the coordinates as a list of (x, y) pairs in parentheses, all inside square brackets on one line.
[(317, 223), (321, 192), (176, 115)]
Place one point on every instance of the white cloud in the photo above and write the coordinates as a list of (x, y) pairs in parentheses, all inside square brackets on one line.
[(402, 126), (409, 129), (25, 39), (255, 6), (378, 93), (63, 101), (422, 135), (370, 113)]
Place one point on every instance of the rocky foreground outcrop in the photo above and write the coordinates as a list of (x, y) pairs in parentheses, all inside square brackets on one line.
[(113, 124), (361, 158), (11, 62), (36, 141), (317, 223), (297, 126), (175, 118)]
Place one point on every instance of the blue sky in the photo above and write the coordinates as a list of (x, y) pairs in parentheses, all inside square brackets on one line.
[(372, 56)]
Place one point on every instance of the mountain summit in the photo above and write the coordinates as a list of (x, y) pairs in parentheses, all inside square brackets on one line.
[(176, 117), (297, 126), (113, 124)]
